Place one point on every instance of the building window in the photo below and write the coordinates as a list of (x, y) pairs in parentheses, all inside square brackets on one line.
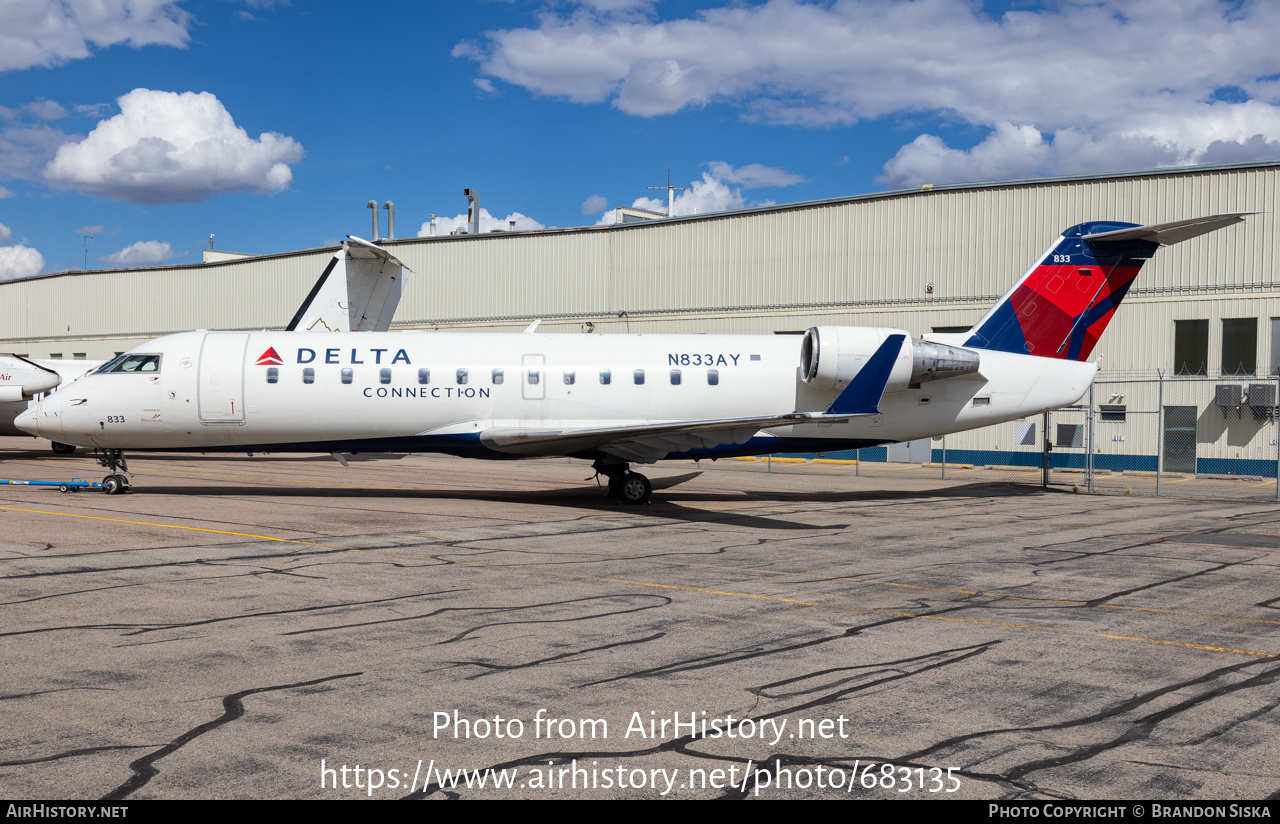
[(638, 377), (713, 377), (384, 375), (1239, 346), (675, 377), (568, 379), (1111, 413), (78, 356), (308, 375), (273, 375), (497, 376), (606, 376), (346, 376), (462, 376), (424, 376), (1191, 347), (1275, 346), (55, 356)]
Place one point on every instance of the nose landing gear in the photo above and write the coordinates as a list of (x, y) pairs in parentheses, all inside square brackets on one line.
[(115, 483), (625, 485)]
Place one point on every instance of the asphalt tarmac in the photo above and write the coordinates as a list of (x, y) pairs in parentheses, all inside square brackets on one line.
[(260, 628)]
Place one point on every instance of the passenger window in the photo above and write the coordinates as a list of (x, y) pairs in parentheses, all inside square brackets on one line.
[(497, 376), (346, 376), (424, 376), (675, 377), (568, 378), (273, 375), (638, 375), (606, 376), (384, 375), (462, 376), (308, 375), (534, 376), (713, 377)]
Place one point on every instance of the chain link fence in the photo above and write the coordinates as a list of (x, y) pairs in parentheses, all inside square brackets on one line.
[(1197, 436)]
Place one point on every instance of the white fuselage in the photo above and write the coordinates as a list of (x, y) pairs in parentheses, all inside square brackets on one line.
[(213, 391)]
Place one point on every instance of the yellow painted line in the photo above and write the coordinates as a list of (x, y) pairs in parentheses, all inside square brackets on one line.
[(834, 461), (856, 610), (158, 471), (998, 595), (790, 460), (164, 526), (744, 458)]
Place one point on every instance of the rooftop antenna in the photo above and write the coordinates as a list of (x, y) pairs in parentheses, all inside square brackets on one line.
[(671, 192), (87, 238)]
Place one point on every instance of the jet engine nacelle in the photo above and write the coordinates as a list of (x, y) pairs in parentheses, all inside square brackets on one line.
[(831, 356)]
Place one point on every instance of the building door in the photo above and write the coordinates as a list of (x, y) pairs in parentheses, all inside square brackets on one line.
[(1180, 439), (918, 451)]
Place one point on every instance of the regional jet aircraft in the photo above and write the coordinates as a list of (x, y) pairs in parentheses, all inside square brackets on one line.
[(614, 399)]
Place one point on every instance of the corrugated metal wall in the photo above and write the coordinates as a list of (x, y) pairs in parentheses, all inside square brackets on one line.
[(860, 260)]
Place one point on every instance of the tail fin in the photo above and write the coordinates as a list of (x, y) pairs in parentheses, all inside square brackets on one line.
[(358, 292), (1062, 305)]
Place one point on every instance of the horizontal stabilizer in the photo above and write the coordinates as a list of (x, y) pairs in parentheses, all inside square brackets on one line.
[(1167, 234)]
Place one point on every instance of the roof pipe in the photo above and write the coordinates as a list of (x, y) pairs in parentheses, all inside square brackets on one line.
[(391, 219), (473, 211), (372, 206)]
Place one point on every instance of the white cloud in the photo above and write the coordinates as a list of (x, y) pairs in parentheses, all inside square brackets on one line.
[(710, 194), (5, 233), (484, 84), (488, 223), (19, 262), (142, 253), (6, 193), (165, 147), (1190, 75), (594, 204), (753, 175), (44, 33), (92, 230)]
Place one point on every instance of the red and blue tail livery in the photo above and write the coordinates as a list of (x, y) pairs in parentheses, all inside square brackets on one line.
[(1060, 308)]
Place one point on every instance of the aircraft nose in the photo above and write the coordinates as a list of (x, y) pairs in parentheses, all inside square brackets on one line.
[(29, 421)]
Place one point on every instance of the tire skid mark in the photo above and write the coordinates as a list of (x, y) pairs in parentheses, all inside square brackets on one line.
[(73, 754), (491, 610), (233, 707), (317, 608), (494, 669)]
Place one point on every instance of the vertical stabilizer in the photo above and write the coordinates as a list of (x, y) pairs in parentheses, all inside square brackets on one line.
[(358, 292), (1062, 305)]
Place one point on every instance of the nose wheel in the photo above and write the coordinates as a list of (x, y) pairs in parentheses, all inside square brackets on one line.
[(116, 483)]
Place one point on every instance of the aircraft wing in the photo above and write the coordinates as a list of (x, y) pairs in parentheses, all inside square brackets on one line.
[(643, 443), (650, 442), (358, 292)]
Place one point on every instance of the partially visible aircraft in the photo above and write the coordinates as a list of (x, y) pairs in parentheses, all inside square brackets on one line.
[(614, 399), (359, 290)]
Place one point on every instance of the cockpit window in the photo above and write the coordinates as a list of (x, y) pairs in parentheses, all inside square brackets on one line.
[(132, 363)]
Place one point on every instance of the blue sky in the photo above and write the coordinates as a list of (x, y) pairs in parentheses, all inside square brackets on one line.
[(154, 123)]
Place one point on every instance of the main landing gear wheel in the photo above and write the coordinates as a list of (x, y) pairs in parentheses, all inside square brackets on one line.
[(63, 448), (113, 484), (634, 488)]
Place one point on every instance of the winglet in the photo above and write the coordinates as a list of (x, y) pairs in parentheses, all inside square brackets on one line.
[(862, 395)]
